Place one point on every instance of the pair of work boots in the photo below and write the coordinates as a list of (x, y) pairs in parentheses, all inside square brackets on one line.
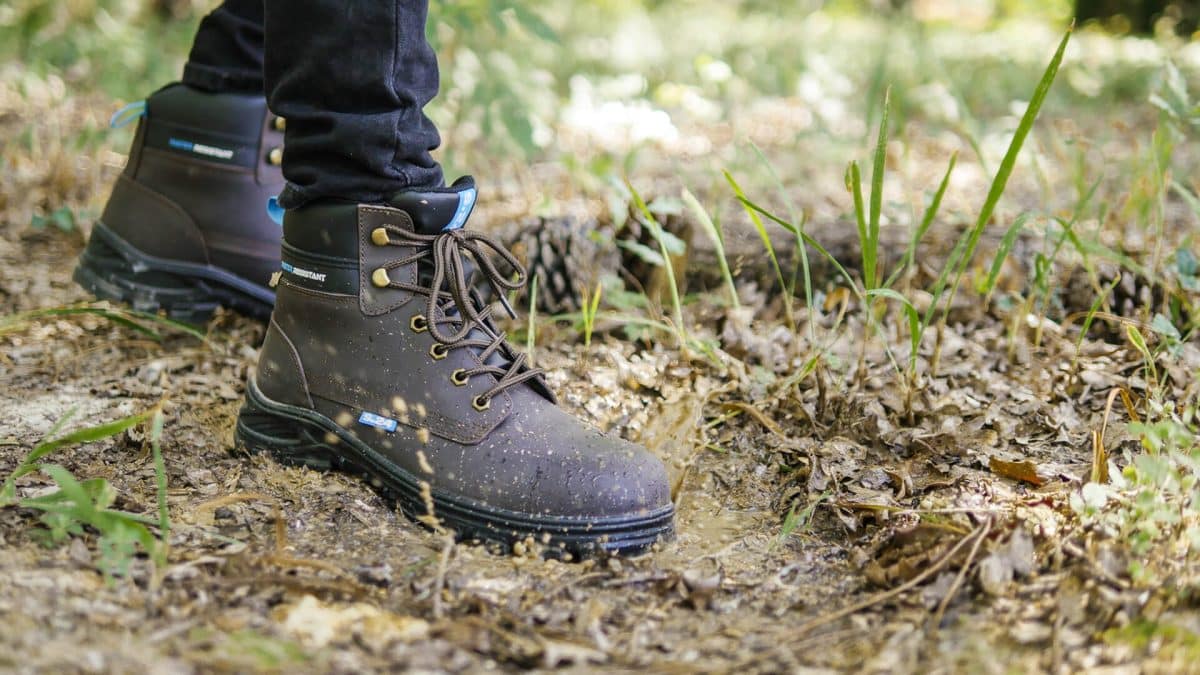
[(380, 357)]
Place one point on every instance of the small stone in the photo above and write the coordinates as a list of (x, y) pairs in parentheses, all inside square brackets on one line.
[(375, 575)]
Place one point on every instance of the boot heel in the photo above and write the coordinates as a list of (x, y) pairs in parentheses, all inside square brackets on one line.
[(264, 427), (112, 269)]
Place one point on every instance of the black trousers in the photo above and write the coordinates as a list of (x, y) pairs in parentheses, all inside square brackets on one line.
[(351, 77)]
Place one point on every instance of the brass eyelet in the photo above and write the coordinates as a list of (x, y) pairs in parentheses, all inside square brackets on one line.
[(280, 124), (481, 404), (439, 351), (460, 378), (379, 237), (275, 156), (380, 278), (419, 324)]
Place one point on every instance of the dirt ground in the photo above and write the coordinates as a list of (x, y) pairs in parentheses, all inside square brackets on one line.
[(824, 524)]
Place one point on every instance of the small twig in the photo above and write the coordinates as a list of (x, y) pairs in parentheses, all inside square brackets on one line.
[(573, 581), (633, 581), (319, 565), (962, 574), (759, 416), (1076, 552), (440, 582), (888, 595), (902, 511)]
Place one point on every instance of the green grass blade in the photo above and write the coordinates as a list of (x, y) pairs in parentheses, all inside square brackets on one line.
[(48, 446), (131, 319), (871, 252), (910, 312), (753, 213), (62, 422), (1010, 239), (160, 484), (801, 250), (1000, 182), (657, 231), (531, 331), (747, 204), (1188, 196), (70, 488), (935, 205), (718, 241), (854, 185)]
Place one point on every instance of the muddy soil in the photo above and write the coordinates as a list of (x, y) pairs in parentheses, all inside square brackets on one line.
[(827, 522)]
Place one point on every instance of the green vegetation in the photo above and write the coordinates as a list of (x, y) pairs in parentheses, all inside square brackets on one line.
[(77, 505)]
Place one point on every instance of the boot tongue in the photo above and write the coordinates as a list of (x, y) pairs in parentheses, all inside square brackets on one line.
[(438, 209)]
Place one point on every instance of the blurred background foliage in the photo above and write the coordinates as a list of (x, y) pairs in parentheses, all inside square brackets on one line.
[(513, 69)]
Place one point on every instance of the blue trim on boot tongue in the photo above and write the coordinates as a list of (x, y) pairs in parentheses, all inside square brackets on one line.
[(438, 210), (466, 204)]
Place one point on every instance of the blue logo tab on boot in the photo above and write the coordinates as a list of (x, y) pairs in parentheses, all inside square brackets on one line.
[(378, 422), (200, 148), (466, 204)]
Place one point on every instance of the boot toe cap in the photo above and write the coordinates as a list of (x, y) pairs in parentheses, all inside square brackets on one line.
[(602, 477), (616, 480)]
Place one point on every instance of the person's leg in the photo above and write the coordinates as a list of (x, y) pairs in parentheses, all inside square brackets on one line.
[(380, 359), (227, 52), (352, 79)]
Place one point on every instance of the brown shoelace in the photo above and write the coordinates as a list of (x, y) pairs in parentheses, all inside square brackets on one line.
[(445, 251)]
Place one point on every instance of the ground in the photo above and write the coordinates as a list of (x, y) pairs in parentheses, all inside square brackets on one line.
[(992, 511)]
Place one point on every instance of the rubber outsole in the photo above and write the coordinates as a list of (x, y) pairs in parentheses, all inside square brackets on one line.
[(303, 437), (113, 269)]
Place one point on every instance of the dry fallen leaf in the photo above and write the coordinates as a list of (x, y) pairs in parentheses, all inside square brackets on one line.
[(1025, 472)]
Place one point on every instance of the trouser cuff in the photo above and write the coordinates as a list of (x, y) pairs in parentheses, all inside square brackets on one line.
[(222, 80)]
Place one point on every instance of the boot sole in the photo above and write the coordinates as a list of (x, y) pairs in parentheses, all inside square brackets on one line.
[(113, 269), (301, 437)]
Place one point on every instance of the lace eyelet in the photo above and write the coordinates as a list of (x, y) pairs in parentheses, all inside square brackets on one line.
[(481, 404), (280, 124), (439, 351), (460, 378), (380, 278), (379, 237), (419, 324), (275, 156)]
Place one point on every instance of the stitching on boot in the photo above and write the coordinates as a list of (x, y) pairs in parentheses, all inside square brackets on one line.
[(364, 274), (322, 295), (295, 360), (129, 184)]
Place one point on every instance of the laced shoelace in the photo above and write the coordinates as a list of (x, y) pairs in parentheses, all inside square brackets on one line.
[(459, 304)]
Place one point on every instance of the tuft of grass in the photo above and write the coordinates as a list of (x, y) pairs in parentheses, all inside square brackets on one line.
[(798, 522), (868, 216), (78, 504)]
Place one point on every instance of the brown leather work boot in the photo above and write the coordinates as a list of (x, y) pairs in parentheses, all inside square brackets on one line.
[(381, 360), (186, 229)]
